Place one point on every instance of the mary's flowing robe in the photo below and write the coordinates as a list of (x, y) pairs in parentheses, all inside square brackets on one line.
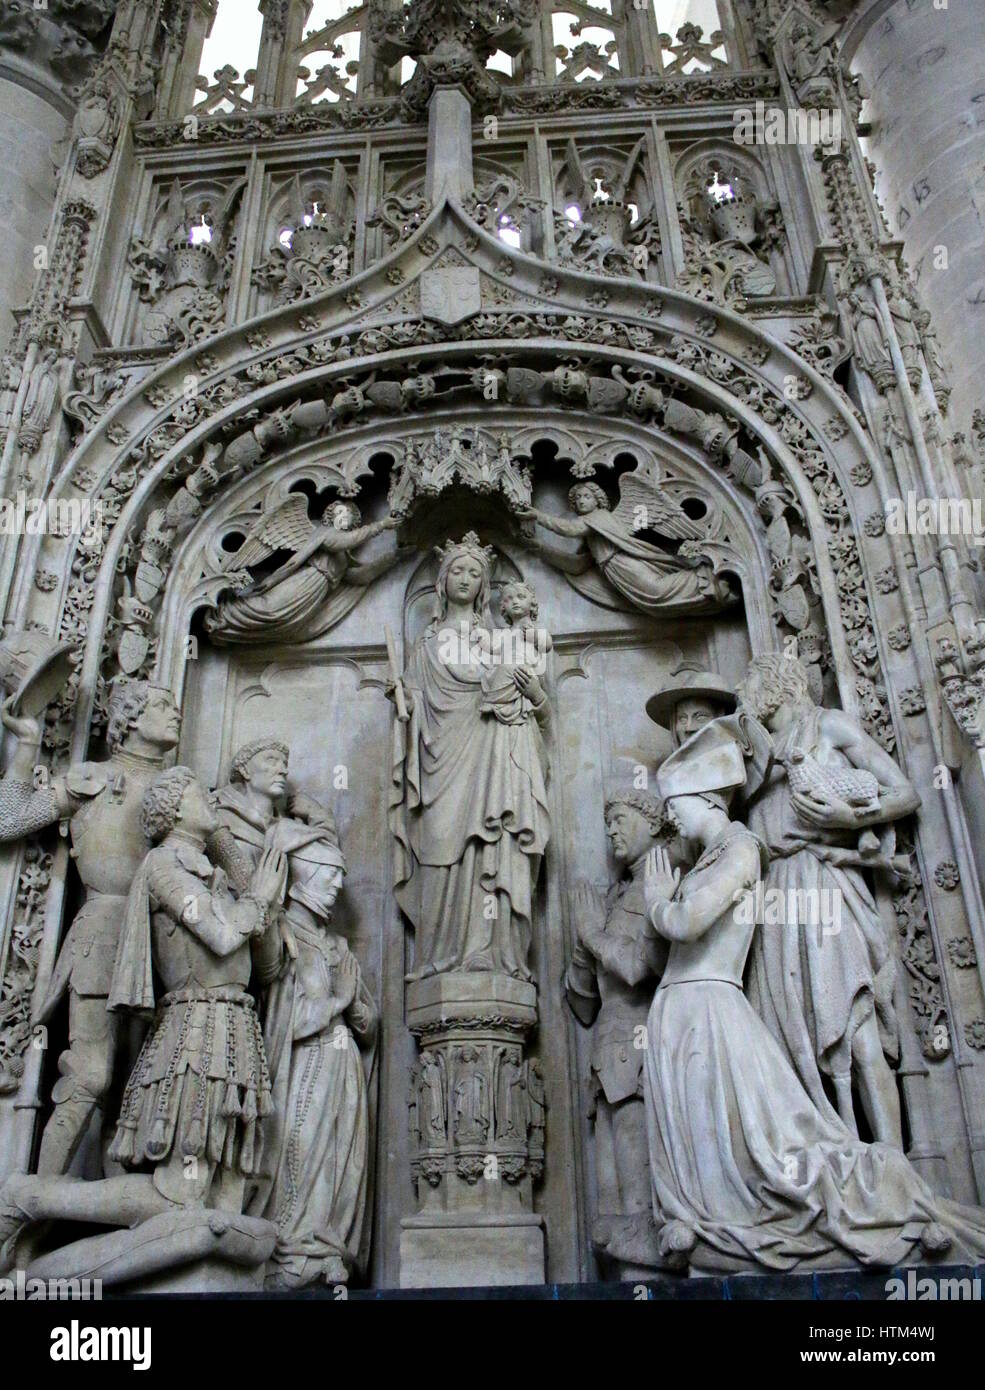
[(469, 813)]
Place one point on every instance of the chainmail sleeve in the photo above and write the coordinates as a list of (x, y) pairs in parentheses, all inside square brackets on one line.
[(224, 851), (24, 810)]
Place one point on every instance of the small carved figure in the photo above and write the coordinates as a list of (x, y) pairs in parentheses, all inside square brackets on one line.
[(319, 1014), (502, 656), (432, 1113), (40, 400), (312, 590), (812, 62), (471, 1098), (651, 579), (609, 983)]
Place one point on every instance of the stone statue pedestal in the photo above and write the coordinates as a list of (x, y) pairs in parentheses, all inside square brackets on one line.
[(477, 1135), (443, 1252)]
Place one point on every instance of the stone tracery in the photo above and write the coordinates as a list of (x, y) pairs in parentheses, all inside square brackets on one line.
[(454, 380)]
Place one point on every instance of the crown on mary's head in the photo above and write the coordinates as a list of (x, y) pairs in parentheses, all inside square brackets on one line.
[(468, 545)]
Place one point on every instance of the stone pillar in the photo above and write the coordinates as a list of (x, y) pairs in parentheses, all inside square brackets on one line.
[(34, 118), (477, 1135), (922, 68)]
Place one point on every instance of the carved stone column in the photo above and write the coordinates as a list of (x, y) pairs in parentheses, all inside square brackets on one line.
[(477, 1134), (45, 51)]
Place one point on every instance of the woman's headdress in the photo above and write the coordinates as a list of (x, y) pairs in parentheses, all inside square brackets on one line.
[(724, 755)]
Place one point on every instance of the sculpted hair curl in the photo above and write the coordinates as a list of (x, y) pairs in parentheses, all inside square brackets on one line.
[(127, 703), (649, 807), (159, 808), (770, 681)]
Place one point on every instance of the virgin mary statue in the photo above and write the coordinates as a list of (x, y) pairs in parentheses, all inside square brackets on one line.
[(468, 804)]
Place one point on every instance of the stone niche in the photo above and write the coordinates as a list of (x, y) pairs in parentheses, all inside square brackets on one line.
[(439, 1217)]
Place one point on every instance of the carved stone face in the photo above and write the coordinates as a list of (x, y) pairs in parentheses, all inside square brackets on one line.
[(762, 696), (195, 814), (690, 715), (688, 813), (464, 579), (583, 501), (266, 773), (516, 605), (629, 833), (160, 721), (320, 890)]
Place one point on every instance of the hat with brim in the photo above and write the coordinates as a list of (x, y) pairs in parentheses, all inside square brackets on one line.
[(690, 685), (33, 669)]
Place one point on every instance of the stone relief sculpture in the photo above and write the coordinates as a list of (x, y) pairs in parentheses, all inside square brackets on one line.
[(457, 334), (318, 1016), (194, 1105), (257, 794), (312, 590), (102, 804), (608, 236), (505, 661), (315, 252), (468, 805), (785, 1185), (812, 62), (183, 279), (651, 579), (609, 985), (824, 984), (729, 230), (40, 400), (176, 1104), (692, 699)]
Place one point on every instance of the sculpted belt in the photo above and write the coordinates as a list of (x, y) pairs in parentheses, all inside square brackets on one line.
[(202, 994)]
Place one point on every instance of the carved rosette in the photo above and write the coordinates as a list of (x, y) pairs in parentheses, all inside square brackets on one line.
[(476, 1101)]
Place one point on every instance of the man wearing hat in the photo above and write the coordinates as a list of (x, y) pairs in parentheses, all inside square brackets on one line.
[(747, 1171), (689, 702)]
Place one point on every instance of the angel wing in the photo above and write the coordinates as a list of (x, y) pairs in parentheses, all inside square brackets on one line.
[(287, 527), (642, 507)]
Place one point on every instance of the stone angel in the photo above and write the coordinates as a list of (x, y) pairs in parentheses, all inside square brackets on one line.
[(310, 592), (650, 578)]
